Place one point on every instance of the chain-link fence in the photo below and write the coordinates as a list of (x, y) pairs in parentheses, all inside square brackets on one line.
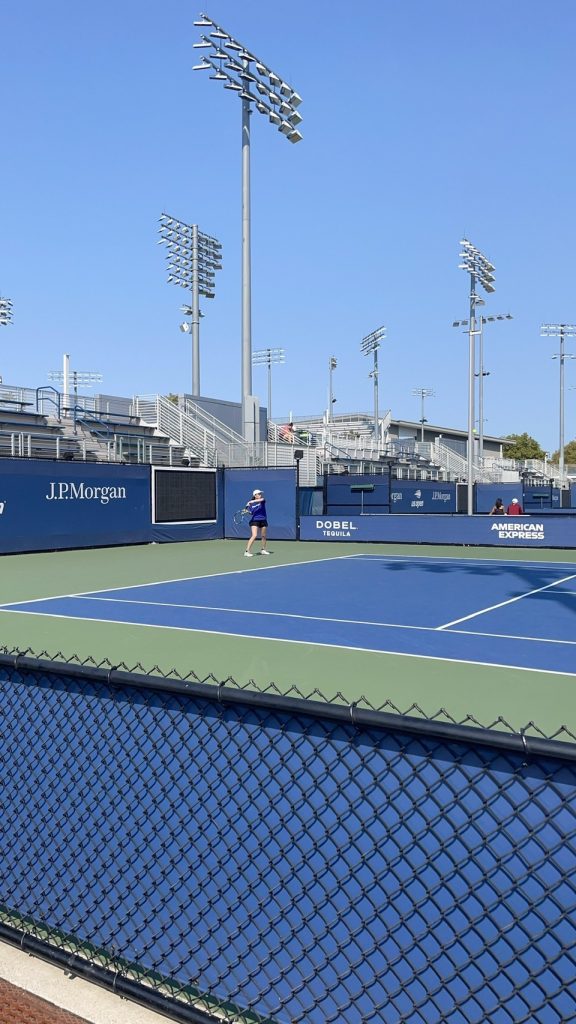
[(219, 852)]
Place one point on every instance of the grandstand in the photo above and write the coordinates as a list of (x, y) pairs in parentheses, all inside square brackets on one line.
[(157, 430)]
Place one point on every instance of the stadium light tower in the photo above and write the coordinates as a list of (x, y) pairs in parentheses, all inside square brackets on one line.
[(257, 86), (193, 259), (371, 343), (78, 379), (268, 357), (481, 373), (561, 331), (423, 393), (481, 272), (5, 312)]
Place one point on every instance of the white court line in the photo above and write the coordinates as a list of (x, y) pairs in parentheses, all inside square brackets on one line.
[(502, 604), (285, 615), (314, 643), (289, 565), (179, 579)]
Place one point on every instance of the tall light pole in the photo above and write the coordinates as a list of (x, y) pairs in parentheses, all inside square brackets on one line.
[(268, 357), (481, 373), (193, 259), (242, 72), (371, 343), (561, 331), (423, 393), (481, 271), (332, 364)]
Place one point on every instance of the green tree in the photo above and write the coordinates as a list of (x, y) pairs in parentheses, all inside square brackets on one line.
[(522, 446), (569, 454)]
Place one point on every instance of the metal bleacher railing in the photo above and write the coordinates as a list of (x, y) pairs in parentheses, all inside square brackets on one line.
[(227, 853)]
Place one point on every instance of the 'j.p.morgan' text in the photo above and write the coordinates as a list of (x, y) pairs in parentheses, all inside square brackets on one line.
[(60, 491)]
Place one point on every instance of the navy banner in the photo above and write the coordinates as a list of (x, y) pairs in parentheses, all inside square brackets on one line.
[(510, 531), (52, 505)]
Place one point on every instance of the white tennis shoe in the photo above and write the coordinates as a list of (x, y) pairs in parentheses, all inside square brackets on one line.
[(248, 554), (264, 552)]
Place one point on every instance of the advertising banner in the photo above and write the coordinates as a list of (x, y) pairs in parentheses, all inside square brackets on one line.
[(518, 531), (47, 505), (428, 496)]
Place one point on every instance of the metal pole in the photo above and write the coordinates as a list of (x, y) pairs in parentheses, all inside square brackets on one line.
[(195, 315), (376, 417), (481, 393), (330, 400), (66, 379), (561, 455), (471, 371), (422, 416), (270, 386), (246, 263)]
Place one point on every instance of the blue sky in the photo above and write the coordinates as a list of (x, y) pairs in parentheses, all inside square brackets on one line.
[(423, 122)]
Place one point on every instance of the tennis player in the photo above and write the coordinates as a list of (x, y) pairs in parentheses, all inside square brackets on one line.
[(258, 522)]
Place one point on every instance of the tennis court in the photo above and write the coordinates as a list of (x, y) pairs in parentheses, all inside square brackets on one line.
[(472, 613)]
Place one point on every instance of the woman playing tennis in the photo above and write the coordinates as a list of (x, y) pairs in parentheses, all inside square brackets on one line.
[(258, 522)]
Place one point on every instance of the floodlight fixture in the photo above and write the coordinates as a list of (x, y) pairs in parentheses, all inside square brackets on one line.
[(5, 312), (370, 344), (561, 331), (77, 379), (193, 258), (424, 393), (241, 71), (269, 357)]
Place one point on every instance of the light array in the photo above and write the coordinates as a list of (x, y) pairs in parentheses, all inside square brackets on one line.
[(78, 378), (240, 71), (423, 392), (268, 356), (476, 264), (485, 319), (5, 312), (372, 341), (191, 254), (558, 330)]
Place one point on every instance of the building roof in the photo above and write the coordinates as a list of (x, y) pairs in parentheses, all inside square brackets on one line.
[(445, 431)]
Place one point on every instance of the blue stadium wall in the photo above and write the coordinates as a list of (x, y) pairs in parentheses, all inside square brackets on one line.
[(46, 506), (536, 530), (279, 488)]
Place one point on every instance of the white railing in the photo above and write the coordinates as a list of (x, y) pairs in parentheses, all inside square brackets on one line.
[(181, 428), (20, 444), (220, 430)]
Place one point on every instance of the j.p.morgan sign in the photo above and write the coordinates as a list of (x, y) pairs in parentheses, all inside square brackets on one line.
[(60, 490)]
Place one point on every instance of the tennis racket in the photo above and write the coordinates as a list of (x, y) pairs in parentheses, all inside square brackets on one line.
[(240, 516)]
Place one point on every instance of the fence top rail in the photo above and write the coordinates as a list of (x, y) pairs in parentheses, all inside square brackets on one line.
[(521, 743)]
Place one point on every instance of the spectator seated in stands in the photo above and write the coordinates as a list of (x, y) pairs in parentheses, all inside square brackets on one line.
[(287, 433)]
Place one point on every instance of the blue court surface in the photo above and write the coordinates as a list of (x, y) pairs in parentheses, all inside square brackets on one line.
[(505, 613)]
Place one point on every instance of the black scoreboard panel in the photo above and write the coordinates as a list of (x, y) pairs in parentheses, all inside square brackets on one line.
[(183, 496)]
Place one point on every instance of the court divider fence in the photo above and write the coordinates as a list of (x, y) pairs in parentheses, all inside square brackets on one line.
[(216, 852)]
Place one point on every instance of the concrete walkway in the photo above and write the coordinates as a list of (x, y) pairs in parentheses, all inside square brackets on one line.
[(89, 1002)]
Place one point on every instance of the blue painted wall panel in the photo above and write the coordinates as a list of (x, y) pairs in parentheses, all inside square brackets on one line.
[(279, 488), (518, 531), (51, 505)]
